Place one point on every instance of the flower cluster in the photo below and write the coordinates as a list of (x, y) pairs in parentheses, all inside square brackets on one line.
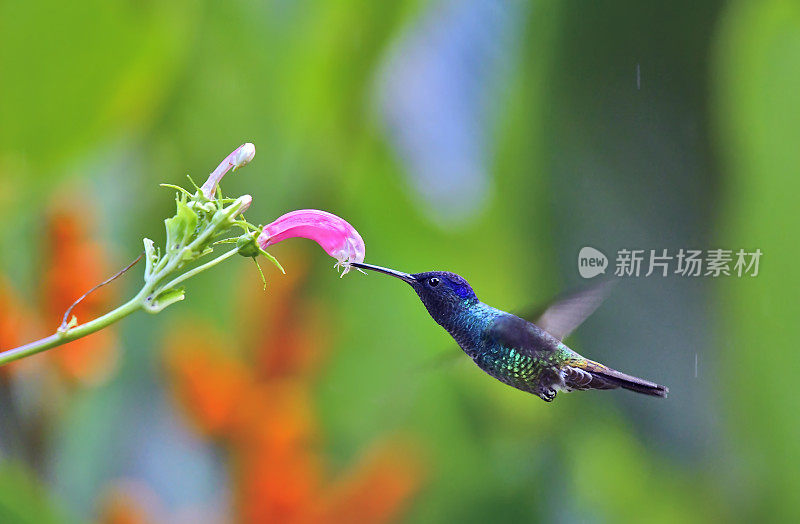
[(204, 214)]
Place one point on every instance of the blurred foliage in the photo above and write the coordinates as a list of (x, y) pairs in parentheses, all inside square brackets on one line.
[(24, 500), (103, 100), (757, 116)]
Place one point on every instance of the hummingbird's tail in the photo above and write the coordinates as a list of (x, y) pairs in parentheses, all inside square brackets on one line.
[(604, 377)]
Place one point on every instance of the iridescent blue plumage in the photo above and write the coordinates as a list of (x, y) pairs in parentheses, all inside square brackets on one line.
[(511, 349)]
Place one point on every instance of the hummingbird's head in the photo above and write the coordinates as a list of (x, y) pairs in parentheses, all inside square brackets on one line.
[(443, 293)]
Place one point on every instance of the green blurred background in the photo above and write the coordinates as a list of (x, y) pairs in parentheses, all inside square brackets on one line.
[(490, 138)]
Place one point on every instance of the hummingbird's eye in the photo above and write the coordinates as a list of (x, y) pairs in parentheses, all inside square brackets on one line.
[(433, 281)]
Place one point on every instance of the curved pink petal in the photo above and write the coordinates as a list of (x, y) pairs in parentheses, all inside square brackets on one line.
[(238, 158), (334, 234)]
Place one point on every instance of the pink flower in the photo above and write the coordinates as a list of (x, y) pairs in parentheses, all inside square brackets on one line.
[(240, 157), (338, 238)]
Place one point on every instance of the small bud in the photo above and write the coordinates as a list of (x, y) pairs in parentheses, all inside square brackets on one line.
[(245, 200), (248, 247), (241, 156)]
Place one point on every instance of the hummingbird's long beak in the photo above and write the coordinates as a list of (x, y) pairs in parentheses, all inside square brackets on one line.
[(399, 274)]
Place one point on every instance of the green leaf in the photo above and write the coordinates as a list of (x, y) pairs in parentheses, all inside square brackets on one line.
[(180, 228), (273, 260), (150, 258), (179, 188), (165, 299)]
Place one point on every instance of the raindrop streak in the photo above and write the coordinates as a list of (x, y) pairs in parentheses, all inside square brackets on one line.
[(638, 77), (695, 365)]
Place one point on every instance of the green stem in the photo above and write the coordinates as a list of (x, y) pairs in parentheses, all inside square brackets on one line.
[(62, 337), (134, 304), (199, 269), (144, 299)]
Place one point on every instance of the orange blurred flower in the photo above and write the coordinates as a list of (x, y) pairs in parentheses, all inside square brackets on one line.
[(211, 384), (75, 263), (263, 413), (353, 498), (78, 264)]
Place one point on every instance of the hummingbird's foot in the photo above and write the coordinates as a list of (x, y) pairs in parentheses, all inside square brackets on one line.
[(547, 394)]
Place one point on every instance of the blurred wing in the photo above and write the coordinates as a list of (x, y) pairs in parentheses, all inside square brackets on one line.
[(567, 313), (559, 319), (513, 332)]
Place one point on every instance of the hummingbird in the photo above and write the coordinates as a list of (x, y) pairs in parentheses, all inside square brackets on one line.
[(525, 355)]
